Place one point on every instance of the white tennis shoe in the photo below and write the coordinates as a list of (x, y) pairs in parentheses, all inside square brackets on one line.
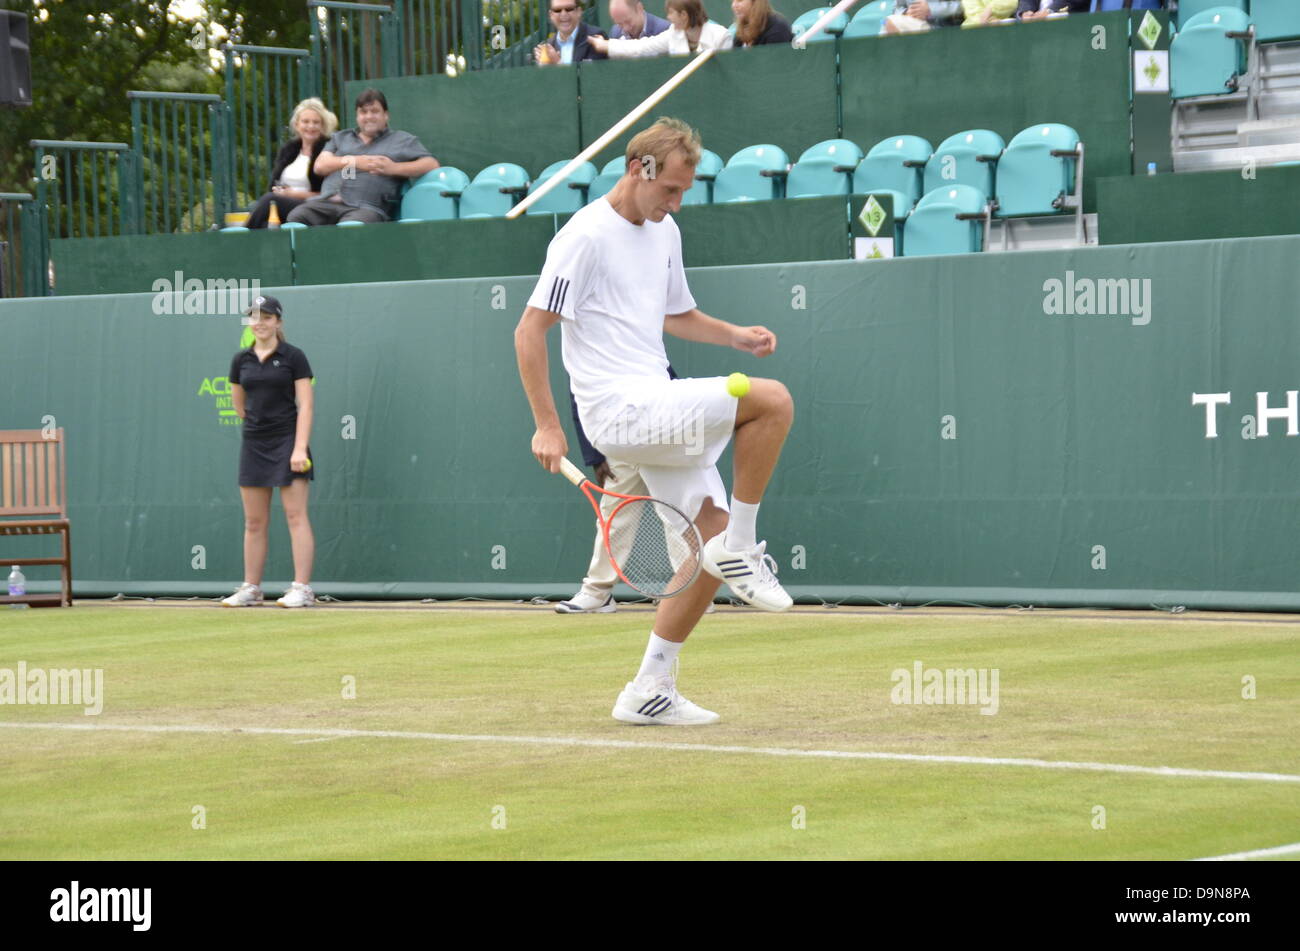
[(750, 573), (298, 596), (247, 596), (650, 702), (584, 603)]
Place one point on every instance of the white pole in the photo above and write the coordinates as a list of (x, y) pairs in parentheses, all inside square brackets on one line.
[(800, 41), (614, 132)]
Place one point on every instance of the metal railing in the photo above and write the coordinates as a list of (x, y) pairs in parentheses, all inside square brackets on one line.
[(186, 179), (433, 35), (85, 189), (351, 41), (508, 30), (263, 84), (17, 221)]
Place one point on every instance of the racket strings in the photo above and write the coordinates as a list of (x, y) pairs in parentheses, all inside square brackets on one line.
[(655, 546)]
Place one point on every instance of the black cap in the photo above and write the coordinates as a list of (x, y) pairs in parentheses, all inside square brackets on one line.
[(267, 305)]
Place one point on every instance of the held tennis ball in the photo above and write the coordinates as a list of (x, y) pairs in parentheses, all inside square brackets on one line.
[(737, 385), (307, 466)]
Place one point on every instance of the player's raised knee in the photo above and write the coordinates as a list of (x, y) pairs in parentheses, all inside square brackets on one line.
[(768, 399)]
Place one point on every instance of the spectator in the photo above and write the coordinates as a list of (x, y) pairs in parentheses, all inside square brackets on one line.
[(1041, 9), (570, 41), (692, 31), (631, 22), (364, 168), (984, 12), (920, 16), (757, 24), (293, 180)]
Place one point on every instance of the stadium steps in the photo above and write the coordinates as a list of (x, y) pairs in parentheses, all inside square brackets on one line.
[(1260, 123)]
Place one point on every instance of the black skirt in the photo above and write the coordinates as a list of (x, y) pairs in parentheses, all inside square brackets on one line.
[(264, 461)]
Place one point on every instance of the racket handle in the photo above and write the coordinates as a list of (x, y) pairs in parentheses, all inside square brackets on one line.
[(571, 472)]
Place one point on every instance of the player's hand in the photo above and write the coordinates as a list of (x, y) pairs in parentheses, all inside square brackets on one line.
[(298, 461), (759, 341), (603, 473), (548, 446)]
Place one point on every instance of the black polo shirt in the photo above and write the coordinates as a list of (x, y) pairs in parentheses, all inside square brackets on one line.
[(269, 405)]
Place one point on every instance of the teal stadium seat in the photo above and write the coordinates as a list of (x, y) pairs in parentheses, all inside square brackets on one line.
[(1205, 59), (1190, 9), (894, 167), (429, 202), (706, 171), (947, 221), (824, 169), (234, 228), (567, 196), (603, 183), (967, 158), (434, 195), (806, 20), (493, 191), (1037, 171), (351, 224), (292, 225), (1275, 20), (869, 20), (752, 174)]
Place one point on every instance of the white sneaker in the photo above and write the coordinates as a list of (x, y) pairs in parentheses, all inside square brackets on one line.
[(248, 595), (646, 701), (751, 573), (298, 596), (584, 603)]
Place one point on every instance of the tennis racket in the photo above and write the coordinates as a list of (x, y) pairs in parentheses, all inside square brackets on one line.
[(652, 545)]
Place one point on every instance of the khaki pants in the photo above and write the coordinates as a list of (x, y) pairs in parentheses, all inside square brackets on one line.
[(601, 577)]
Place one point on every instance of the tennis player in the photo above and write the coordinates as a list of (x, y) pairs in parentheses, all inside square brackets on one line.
[(612, 328), (270, 387)]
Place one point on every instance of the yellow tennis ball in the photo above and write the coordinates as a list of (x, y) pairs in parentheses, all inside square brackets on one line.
[(737, 385), (308, 466)]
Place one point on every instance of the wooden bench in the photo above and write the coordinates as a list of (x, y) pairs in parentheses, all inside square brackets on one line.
[(33, 482)]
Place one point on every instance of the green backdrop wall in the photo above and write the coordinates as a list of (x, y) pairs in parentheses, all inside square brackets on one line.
[(954, 438)]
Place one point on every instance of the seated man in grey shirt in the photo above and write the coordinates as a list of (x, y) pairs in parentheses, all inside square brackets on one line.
[(364, 168)]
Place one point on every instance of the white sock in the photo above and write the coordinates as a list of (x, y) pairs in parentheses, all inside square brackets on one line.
[(741, 530), (659, 657)]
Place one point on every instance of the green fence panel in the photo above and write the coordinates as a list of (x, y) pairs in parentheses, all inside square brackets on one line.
[(956, 437), (352, 41), (759, 232), (1004, 79), (769, 94), (422, 250), (1229, 204), (525, 116), (135, 263)]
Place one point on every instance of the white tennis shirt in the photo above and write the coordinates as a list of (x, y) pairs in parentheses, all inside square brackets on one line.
[(613, 283)]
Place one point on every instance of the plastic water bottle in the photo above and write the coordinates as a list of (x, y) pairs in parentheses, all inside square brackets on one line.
[(17, 587), (1151, 168)]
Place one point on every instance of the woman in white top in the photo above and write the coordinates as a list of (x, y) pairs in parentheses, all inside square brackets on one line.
[(691, 32), (293, 180)]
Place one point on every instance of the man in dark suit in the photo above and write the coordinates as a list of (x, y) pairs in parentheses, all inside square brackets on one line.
[(568, 44), (1040, 9)]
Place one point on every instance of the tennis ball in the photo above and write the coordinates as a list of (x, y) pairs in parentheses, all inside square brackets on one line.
[(737, 385), (308, 466)]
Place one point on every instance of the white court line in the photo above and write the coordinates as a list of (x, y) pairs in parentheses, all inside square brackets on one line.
[(689, 747), (1291, 849)]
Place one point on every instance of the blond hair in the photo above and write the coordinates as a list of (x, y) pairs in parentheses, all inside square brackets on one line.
[(329, 122), (662, 139)]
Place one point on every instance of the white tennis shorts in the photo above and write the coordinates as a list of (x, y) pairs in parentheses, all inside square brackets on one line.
[(675, 431)]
